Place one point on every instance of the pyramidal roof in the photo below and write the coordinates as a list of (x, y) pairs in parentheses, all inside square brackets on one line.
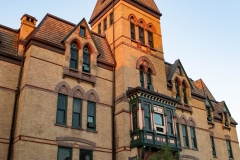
[(103, 5)]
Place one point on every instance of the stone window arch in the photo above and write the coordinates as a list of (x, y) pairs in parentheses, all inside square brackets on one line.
[(92, 96)]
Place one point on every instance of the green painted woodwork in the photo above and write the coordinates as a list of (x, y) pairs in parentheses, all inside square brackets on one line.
[(91, 116), (77, 113), (61, 109)]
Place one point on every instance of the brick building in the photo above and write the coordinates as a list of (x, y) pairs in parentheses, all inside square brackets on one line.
[(105, 93)]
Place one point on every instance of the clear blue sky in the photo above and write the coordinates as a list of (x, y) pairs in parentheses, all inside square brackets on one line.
[(204, 35)]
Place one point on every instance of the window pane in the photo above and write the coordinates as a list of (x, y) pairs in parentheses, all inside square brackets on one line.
[(85, 155), (147, 123), (170, 129), (91, 109), (76, 120), (74, 54), (64, 153), (60, 116), (73, 64), (62, 102), (86, 58), (76, 105), (158, 119), (90, 119), (82, 32)]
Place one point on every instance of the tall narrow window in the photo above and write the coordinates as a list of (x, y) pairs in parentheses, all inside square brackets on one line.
[(141, 76), (141, 35), (147, 118), (185, 136), (159, 122), (77, 113), (99, 28), (178, 133), (105, 24), (134, 114), (149, 80), (111, 18), (86, 155), (91, 116), (209, 118), (61, 109), (169, 121), (177, 91), (226, 119), (132, 29), (86, 60), (184, 94), (74, 56), (229, 149), (193, 137), (213, 146), (64, 153), (82, 31), (150, 39)]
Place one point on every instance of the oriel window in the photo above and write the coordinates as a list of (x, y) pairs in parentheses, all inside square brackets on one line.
[(147, 118), (86, 60), (74, 56), (150, 39), (169, 121), (141, 35), (134, 114)]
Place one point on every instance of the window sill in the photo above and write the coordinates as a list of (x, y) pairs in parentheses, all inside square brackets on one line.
[(61, 125), (141, 44), (77, 128), (195, 149), (186, 148), (87, 130), (226, 127)]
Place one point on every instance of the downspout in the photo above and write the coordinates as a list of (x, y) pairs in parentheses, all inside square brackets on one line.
[(114, 92), (14, 114)]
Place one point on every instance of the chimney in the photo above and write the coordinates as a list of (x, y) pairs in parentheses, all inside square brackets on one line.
[(28, 24)]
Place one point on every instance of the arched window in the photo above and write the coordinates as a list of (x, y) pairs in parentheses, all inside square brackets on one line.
[(141, 33), (149, 80), (177, 91), (184, 94), (132, 29), (86, 60), (150, 37), (141, 76), (74, 56)]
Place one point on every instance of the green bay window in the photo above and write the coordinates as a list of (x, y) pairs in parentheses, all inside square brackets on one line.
[(213, 146), (159, 122), (64, 153), (74, 56), (147, 116), (193, 137), (169, 121), (91, 116), (150, 39), (141, 35), (86, 60), (61, 109), (229, 149), (77, 113), (134, 116), (185, 136)]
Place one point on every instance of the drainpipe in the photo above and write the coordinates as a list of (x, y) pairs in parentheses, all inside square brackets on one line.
[(14, 114), (114, 92)]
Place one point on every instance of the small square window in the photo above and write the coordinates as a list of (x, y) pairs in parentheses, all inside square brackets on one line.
[(82, 31)]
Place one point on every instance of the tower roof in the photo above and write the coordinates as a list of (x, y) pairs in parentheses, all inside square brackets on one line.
[(104, 6)]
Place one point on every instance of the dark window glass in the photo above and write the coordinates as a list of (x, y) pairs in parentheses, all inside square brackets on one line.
[(229, 149), (111, 18), (105, 24), (193, 137), (178, 133), (149, 80), (185, 136), (99, 28), (141, 77), (226, 119), (86, 60), (141, 35), (177, 91), (82, 31), (86, 155), (74, 56), (91, 116), (134, 114), (213, 146), (147, 118), (185, 94), (64, 153), (169, 121), (61, 109), (209, 118), (158, 119), (150, 39), (179, 71), (77, 109), (132, 29)]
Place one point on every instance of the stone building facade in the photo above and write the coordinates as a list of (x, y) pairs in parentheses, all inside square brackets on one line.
[(105, 93)]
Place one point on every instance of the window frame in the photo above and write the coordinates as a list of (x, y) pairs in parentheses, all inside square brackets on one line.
[(226, 123), (94, 116), (150, 39), (149, 79), (147, 116), (229, 149), (99, 28), (111, 19), (184, 89), (185, 137), (141, 37), (170, 123), (141, 74), (80, 113), (213, 146), (160, 111), (59, 147), (84, 64), (65, 110), (178, 97), (193, 137), (84, 29), (72, 50), (132, 31), (83, 150), (134, 116), (105, 24)]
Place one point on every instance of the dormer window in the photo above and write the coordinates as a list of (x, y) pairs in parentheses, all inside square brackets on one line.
[(74, 56), (226, 119), (82, 31), (179, 70), (177, 91), (86, 60)]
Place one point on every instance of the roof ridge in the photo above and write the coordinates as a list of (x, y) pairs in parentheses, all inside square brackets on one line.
[(10, 29), (60, 19)]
